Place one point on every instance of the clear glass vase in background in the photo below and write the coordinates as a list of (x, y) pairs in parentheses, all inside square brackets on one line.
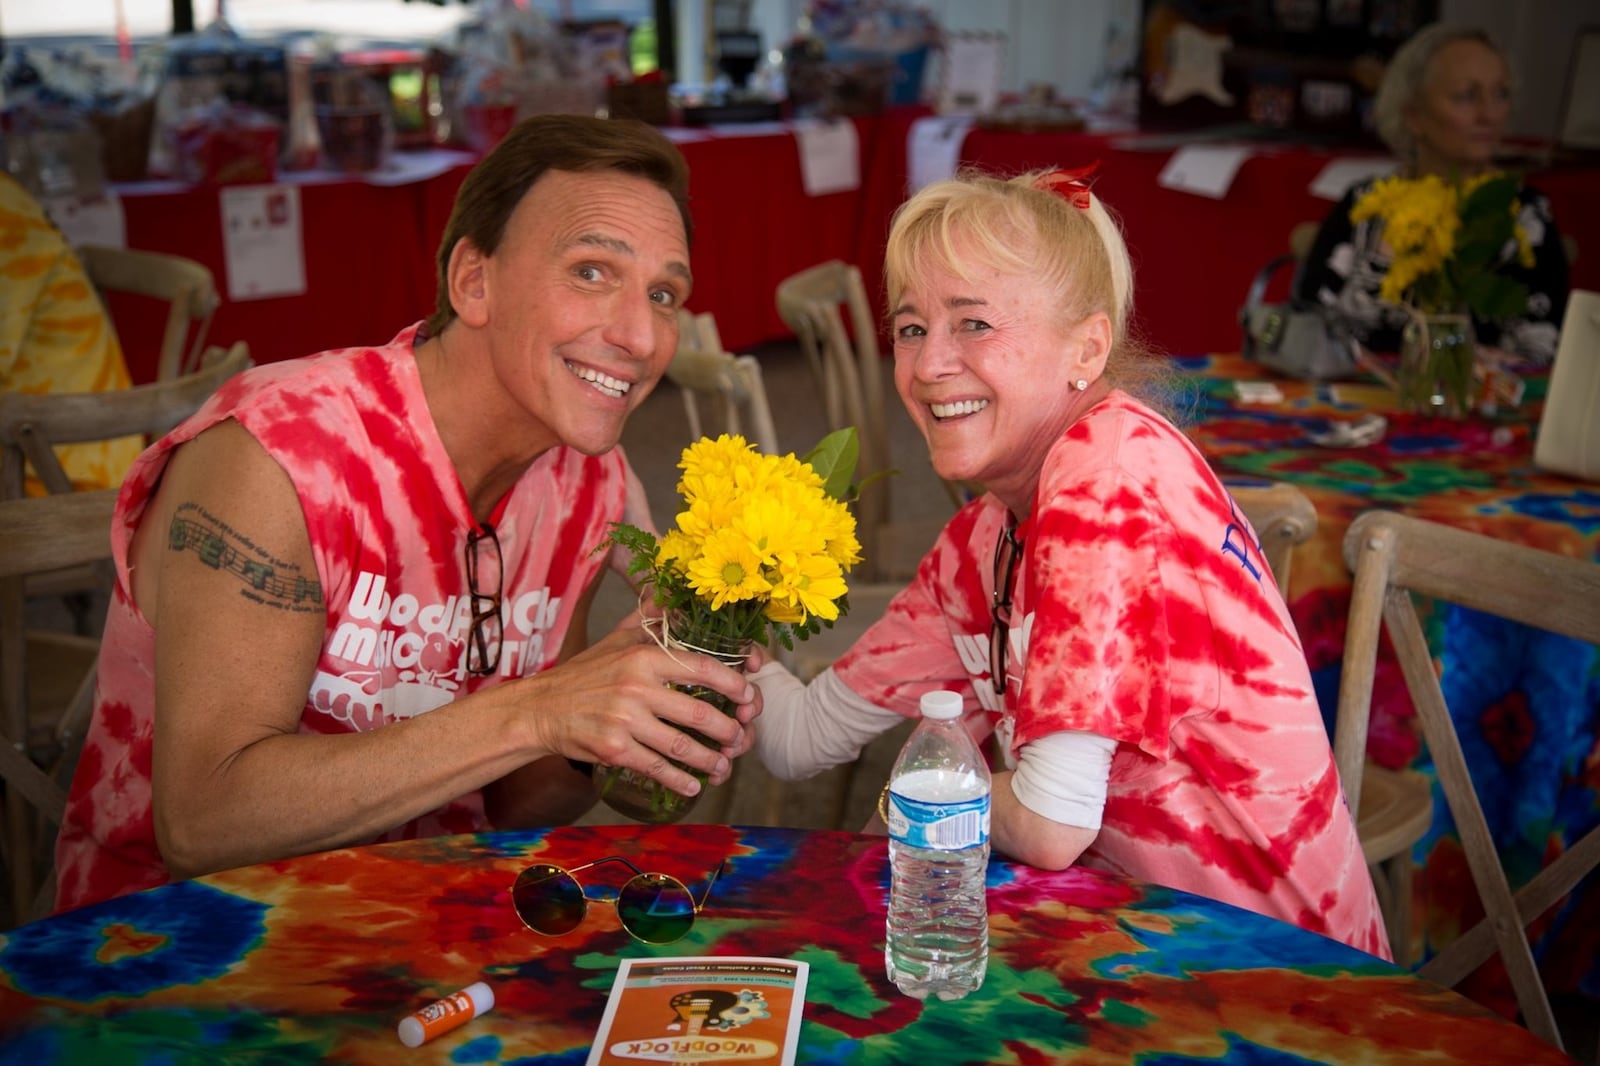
[(642, 798), (1435, 376)]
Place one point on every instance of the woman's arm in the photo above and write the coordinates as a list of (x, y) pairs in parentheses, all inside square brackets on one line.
[(807, 728)]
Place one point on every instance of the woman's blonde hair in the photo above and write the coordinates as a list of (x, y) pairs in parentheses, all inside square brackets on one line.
[(1021, 226), (1405, 76)]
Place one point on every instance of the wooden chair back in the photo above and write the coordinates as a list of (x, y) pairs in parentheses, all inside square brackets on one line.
[(1394, 556), (816, 303), (187, 286), (39, 535), (31, 424), (1283, 517), (730, 387)]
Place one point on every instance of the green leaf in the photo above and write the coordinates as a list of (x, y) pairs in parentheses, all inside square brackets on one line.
[(834, 459), (1495, 296), (1493, 197)]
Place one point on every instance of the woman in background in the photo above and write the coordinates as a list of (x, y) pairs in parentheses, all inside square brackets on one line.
[(1442, 108)]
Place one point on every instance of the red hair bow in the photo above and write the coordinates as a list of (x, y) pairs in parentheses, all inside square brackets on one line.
[(1070, 185)]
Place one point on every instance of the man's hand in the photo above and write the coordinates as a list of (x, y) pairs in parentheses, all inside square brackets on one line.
[(613, 703)]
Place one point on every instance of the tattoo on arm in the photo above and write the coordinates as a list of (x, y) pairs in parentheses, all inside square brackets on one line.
[(267, 579)]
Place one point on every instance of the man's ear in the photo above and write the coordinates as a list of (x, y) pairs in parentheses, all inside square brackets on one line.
[(467, 275)]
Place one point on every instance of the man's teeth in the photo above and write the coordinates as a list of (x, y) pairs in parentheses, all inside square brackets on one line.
[(951, 410), (604, 382)]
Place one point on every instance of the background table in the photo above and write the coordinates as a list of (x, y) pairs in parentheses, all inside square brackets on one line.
[(1526, 703), (1194, 257), (317, 959), (370, 247)]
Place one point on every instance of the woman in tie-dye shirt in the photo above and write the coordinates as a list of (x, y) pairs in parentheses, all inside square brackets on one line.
[(55, 335), (1104, 607)]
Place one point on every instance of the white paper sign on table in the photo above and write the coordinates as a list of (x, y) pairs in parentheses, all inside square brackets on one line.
[(1204, 169), (98, 221), (1335, 179), (830, 156), (263, 245), (933, 151)]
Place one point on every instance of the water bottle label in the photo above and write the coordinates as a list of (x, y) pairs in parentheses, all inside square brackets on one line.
[(943, 826)]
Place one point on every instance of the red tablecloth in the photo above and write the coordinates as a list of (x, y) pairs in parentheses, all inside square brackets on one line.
[(370, 249)]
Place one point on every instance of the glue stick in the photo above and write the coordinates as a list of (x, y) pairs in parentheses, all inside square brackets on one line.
[(440, 1017)]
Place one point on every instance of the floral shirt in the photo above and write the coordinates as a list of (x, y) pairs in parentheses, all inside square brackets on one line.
[(55, 335), (1348, 261), (388, 520), (1144, 611)]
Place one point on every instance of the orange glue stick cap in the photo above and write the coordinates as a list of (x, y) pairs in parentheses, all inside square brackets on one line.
[(443, 1015)]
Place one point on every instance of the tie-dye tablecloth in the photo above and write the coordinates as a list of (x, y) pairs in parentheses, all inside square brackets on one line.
[(1525, 703), (316, 960)]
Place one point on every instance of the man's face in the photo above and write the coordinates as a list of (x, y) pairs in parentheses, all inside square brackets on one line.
[(582, 298)]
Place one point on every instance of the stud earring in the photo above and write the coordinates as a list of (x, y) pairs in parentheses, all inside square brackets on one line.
[(1080, 384)]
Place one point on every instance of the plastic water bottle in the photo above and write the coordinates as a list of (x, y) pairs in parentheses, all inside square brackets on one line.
[(938, 814)]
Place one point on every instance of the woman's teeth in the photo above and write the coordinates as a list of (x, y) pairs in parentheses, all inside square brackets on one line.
[(603, 382), (951, 410)]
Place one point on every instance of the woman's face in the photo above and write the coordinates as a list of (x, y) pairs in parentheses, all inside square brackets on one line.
[(986, 369), (1459, 116)]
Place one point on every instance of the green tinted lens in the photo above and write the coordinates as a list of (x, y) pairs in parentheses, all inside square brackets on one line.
[(548, 900), (655, 908)]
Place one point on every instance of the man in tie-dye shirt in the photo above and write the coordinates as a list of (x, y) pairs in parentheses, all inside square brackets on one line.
[(1104, 608), (352, 590)]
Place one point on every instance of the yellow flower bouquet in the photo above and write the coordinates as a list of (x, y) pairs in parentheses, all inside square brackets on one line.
[(1448, 242), (758, 553)]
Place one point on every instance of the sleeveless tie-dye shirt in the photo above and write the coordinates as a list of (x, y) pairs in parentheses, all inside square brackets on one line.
[(1144, 612), (388, 520)]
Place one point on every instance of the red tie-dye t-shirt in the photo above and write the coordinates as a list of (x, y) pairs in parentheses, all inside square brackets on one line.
[(388, 520), (1143, 611)]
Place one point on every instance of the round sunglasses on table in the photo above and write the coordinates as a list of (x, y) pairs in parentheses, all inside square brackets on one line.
[(653, 907)]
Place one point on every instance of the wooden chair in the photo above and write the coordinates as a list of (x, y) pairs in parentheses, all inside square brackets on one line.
[(1392, 557), (730, 385), (1392, 809), (187, 287), (32, 423), (1282, 517), (30, 426), (40, 743), (850, 372)]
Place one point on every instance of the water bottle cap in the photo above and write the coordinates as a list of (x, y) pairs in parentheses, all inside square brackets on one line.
[(941, 704)]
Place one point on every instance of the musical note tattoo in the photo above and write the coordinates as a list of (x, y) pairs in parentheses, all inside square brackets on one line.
[(268, 580)]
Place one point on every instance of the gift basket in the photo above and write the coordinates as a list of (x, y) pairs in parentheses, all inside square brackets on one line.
[(855, 58), (72, 120)]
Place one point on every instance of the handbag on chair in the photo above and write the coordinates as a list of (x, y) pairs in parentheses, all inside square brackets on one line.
[(1306, 343)]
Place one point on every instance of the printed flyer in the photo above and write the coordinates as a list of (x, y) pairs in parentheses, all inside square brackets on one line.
[(683, 1010)]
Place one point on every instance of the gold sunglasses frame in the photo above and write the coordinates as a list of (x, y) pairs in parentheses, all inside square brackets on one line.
[(615, 895)]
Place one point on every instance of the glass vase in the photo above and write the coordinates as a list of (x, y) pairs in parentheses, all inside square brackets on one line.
[(642, 798), (1435, 377)]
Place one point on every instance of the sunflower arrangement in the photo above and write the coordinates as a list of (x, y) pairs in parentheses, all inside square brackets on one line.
[(1448, 241), (761, 547), (759, 552)]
